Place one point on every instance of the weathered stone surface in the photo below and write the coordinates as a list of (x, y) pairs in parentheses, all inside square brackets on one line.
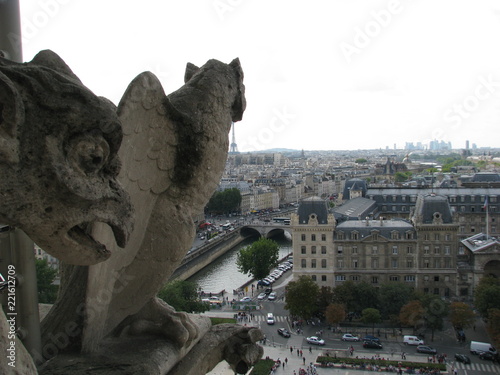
[(15, 358), (58, 156)]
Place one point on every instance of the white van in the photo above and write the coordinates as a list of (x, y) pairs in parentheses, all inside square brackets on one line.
[(412, 340), (477, 347)]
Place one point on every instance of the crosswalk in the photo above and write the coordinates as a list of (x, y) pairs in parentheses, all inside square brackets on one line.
[(260, 318), (478, 366)]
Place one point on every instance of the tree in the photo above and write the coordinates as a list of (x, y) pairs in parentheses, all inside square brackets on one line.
[(361, 161), (435, 312), (301, 297), (325, 298), (461, 315), (355, 296), (45, 276), (412, 314), (487, 295), (402, 176), (258, 258), (183, 296), (335, 313), (225, 201), (392, 297), (371, 316)]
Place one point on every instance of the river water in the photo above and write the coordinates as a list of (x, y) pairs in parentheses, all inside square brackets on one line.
[(223, 274)]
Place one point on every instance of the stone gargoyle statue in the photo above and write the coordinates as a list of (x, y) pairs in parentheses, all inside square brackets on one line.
[(172, 155)]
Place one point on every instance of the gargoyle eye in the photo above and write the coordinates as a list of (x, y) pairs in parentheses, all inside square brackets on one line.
[(89, 153)]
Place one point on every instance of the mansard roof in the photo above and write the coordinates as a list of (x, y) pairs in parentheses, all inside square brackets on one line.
[(383, 228), (313, 205)]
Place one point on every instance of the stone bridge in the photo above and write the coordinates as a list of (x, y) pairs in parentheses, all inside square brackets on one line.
[(267, 230)]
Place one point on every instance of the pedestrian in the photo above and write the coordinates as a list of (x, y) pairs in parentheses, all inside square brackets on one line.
[(304, 360), (298, 353), (301, 352), (291, 350), (286, 360), (283, 365), (310, 350)]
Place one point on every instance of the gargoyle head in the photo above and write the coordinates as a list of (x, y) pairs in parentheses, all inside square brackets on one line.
[(58, 160)]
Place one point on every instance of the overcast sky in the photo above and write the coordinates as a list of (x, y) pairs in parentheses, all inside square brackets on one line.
[(319, 75)]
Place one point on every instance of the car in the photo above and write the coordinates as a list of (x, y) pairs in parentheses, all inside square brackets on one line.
[(315, 340), (487, 355), (263, 282), (268, 291), (270, 318), (349, 337), (371, 338), (272, 296), (261, 296), (372, 344), (283, 332), (245, 299), (462, 358), (426, 349)]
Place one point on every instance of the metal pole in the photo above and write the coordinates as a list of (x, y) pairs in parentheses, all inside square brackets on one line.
[(18, 251), (10, 30)]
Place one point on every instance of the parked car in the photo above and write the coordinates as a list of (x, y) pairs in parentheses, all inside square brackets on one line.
[(315, 340), (487, 355), (349, 337), (261, 296), (283, 332), (462, 358), (245, 299), (370, 344), (426, 349), (371, 338), (268, 291), (263, 282), (272, 296)]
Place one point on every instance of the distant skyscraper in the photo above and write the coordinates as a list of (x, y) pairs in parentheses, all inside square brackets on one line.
[(467, 144)]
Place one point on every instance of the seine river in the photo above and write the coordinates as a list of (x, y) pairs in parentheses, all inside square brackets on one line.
[(223, 274)]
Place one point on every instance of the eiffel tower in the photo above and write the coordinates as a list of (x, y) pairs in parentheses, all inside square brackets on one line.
[(233, 148)]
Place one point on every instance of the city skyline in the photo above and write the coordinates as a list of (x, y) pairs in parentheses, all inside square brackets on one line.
[(319, 76)]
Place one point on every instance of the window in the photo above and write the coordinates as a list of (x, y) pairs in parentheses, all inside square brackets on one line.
[(447, 250), (409, 263), (461, 250), (323, 249), (409, 235), (393, 278), (447, 237), (426, 263), (395, 235), (426, 290), (303, 237), (302, 249), (374, 263), (323, 277), (409, 250), (374, 279), (303, 263), (437, 263), (355, 278), (323, 263), (410, 278), (426, 278), (354, 235), (426, 249), (313, 249), (394, 250), (354, 263), (447, 262), (323, 237), (354, 249), (313, 263), (436, 278), (436, 250), (313, 237), (340, 264), (374, 249), (340, 249), (447, 278), (340, 278), (436, 236), (436, 291), (394, 263), (340, 235), (313, 277)]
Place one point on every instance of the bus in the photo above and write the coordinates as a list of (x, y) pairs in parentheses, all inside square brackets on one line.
[(281, 220)]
